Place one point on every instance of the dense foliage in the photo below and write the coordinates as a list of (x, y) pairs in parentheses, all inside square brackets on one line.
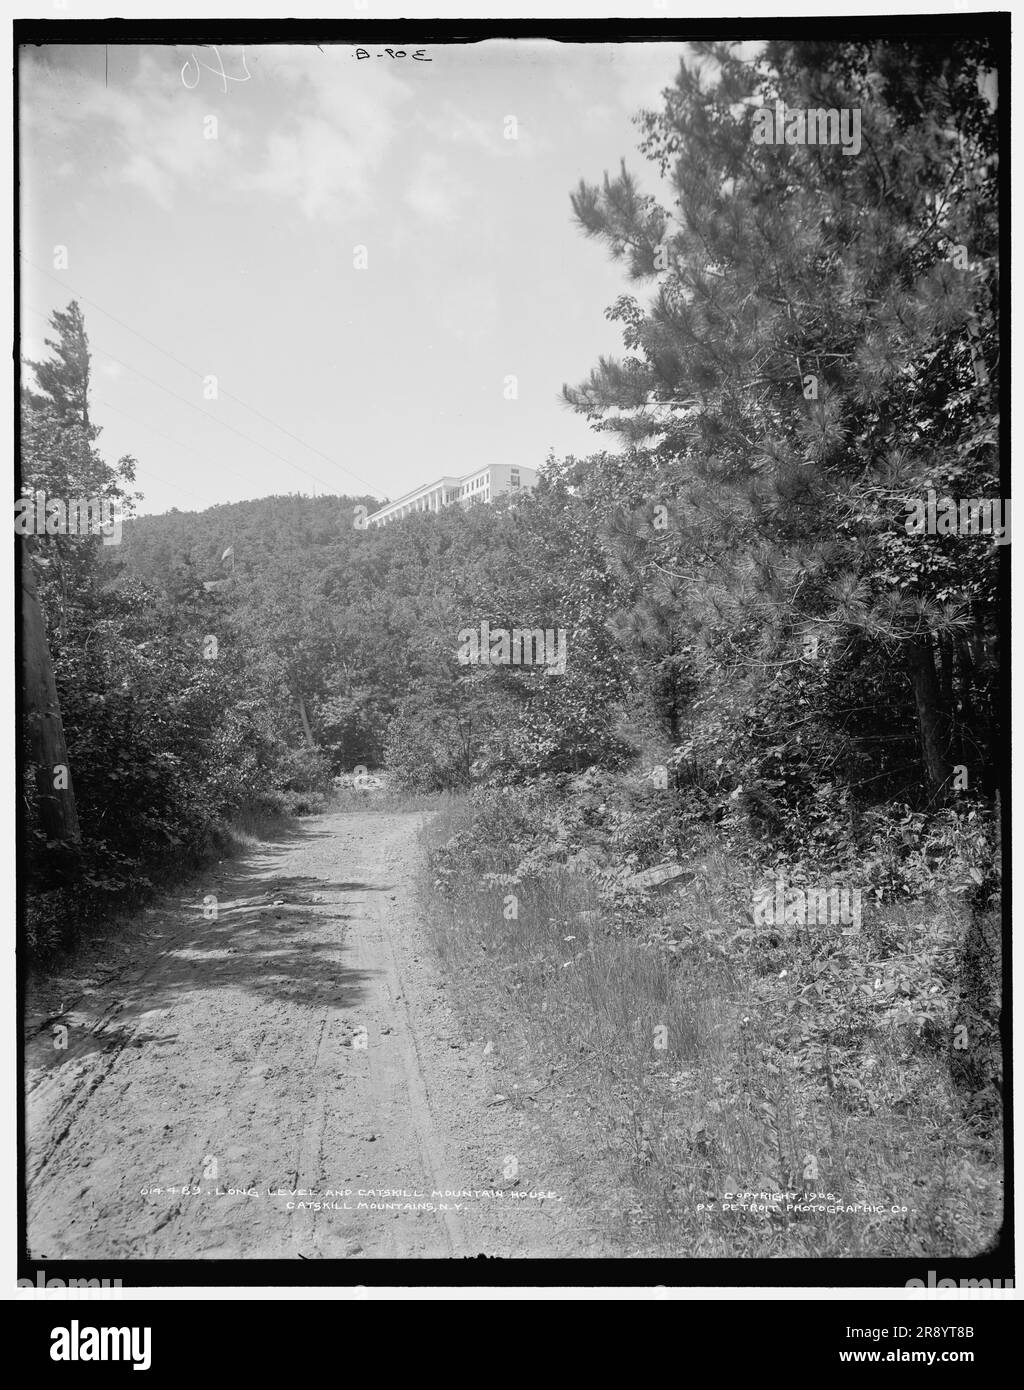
[(168, 733), (759, 649)]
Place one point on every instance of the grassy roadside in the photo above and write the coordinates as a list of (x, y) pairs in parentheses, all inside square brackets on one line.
[(680, 1053), (60, 923)]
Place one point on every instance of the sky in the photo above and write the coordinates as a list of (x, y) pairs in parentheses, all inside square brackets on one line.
[(211, 203)]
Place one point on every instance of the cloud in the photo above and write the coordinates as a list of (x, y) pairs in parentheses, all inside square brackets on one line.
[(313, 166), (340, 119), (434, 194), (451, 124), (146, 173), (641, 72), (306, 126), (152, 132)]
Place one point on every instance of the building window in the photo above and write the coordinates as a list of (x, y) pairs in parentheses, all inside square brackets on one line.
[(513, 478)]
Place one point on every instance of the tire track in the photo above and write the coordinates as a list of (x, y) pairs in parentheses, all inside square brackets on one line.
[(248, 1067)]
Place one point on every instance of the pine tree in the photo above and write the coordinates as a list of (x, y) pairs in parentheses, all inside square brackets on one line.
[(63, 379), (821, 349), (60, 575), (60, 458)]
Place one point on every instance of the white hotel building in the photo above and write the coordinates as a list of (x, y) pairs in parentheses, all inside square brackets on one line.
[(482, 486)]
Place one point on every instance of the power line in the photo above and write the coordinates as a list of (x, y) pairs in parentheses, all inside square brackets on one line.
[(145, 424), (108, 405), (177, 360), (223, 424), (144, 467)]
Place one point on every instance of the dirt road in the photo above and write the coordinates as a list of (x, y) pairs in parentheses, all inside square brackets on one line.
[(221, 1076)]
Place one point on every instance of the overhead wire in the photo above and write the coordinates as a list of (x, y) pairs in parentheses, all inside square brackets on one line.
[(221, 392)]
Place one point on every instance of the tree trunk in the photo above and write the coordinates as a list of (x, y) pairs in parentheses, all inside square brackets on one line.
[(305, 724), (930, 718), (57, 809), (947, 666)]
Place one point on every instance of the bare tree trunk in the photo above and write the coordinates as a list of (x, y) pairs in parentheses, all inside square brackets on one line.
[(57, 809), (930, 719)]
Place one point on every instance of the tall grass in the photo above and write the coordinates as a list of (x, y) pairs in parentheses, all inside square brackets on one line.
[(391, 799), (685, 1061)]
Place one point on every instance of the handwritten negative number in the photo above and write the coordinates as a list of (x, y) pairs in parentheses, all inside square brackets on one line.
[(419, 56), (218, 71)]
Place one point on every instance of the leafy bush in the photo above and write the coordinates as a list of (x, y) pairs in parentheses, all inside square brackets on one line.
[(424, 753)]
